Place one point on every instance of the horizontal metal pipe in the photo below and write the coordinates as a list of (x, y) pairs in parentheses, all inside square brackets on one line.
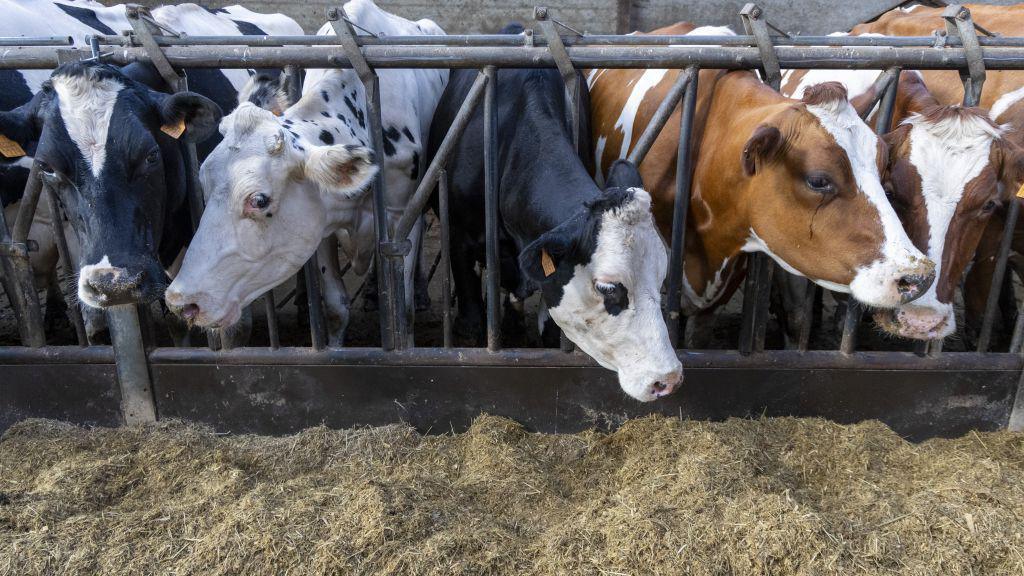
[(722, 359), (854, 58), (521, 40), (37, 41)]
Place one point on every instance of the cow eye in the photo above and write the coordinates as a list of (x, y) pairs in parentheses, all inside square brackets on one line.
[(606, 288), (259, 201), (889, 191), (990, 206), (153, 157), (820, 183)]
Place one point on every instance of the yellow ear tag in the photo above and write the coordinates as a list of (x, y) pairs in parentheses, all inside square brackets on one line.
[(174, 130), (546, 263), (9, 148), (1020, 191)]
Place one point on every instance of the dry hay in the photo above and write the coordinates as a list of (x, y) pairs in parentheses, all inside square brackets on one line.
[(659, 496)]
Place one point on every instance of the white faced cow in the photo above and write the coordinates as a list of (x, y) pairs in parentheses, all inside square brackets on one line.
[(278, 185)]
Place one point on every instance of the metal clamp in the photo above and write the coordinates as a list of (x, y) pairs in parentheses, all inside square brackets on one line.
[(569, 77), (144, 27), (959, 24), (756, 26)]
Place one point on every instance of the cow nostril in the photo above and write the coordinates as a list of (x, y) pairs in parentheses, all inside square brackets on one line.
[(913, 286), (190, 311), (659, 386)]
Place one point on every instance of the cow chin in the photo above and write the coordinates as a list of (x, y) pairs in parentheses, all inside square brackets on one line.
[(917, 322)]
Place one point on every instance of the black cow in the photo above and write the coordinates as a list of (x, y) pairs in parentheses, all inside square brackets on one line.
[(110, 148), (595, 255)]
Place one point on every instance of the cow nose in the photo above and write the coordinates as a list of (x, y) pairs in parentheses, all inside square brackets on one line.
[(113, 286), (913, 286), (190, 312), (667, 383)]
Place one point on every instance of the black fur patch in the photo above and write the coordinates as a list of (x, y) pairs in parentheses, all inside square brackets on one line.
[(326, 137)]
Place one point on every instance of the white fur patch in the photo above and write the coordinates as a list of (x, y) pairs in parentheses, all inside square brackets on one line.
[(1005, 101), (88, 270), (86, 106)]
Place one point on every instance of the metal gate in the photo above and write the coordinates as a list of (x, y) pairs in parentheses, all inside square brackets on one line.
[(281, 389)]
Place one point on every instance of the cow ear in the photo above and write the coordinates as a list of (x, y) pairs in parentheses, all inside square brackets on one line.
[(541, 258), (763, 145), (864, 103), (340, 168), (189, 115), (19, 128), (1011, 166)]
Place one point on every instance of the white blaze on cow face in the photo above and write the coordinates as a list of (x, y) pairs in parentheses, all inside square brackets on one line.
[(270, 200), (878, 283), (86, 106), (947, 155), (611, 305)]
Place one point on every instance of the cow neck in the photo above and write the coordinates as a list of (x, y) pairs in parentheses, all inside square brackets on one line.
[(720, 201)]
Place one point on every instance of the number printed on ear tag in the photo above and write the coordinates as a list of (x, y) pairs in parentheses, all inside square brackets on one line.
[(174, 130), (546, 263)]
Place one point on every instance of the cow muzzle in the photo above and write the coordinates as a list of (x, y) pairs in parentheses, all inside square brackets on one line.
[(100, 286), (200, 309), (913, 286)]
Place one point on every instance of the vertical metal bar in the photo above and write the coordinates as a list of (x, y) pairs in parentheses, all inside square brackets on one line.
[(887, 105), (684, 177), (491, 207), (137, 403), (756, 291), (317, 331), (854, 310), (271, 310), (1017, 343), (19, 282), (64, 257), (446, 265), (391, 309), (992, 303), (27, 207), (810, 297)]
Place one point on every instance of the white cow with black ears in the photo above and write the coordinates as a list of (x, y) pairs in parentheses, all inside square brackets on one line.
[(278, 185)]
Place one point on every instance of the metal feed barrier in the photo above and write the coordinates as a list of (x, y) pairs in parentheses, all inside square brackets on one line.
[(281, 389)]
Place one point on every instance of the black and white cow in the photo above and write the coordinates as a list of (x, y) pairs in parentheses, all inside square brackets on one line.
[(595, 255), (80, 19), (277, 186)]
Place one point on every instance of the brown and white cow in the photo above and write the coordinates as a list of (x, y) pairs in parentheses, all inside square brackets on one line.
[(943, 175), (1003, 97), (799, 180)]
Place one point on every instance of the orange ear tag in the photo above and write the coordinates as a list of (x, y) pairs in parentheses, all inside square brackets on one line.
[(9, 148), (546, 263), (174, 130), (1020, 191)]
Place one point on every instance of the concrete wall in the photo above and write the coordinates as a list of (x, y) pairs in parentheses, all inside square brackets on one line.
[(597, 16)]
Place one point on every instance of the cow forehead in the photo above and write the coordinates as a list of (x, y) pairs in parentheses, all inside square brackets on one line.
[(86, 105)]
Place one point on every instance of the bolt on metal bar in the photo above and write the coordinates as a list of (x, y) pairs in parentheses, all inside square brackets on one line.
[(64, 257), (137, 404), (684, 180), (446, 263), (389, 287), (491, 208), (661, 115)]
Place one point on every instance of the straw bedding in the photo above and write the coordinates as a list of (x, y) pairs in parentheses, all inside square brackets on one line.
[(658, 496)]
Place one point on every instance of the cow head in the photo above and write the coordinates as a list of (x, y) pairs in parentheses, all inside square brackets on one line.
[(270, 193), (820, 209), (600, 274), (949, 171), (109, 148)]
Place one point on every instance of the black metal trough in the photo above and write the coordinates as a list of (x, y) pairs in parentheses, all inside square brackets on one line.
[(283, 389)]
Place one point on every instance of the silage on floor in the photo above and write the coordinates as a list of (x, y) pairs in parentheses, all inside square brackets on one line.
[(659, 495)]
